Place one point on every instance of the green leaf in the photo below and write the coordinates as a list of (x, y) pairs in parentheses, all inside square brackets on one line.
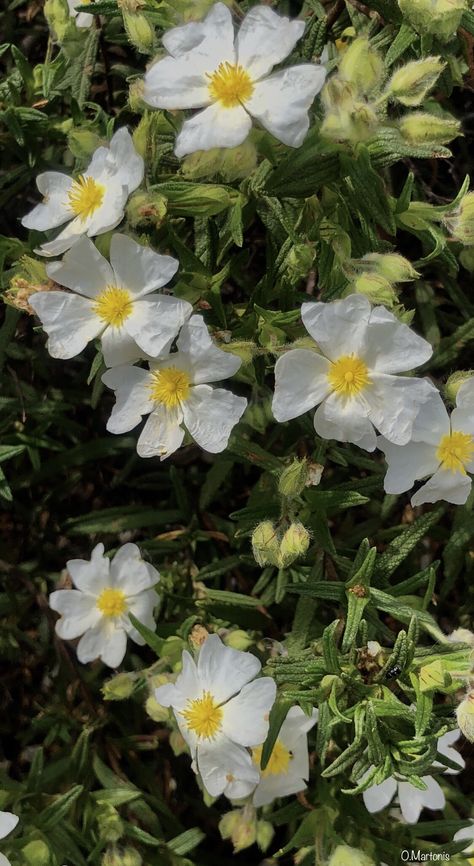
[(150, 637)]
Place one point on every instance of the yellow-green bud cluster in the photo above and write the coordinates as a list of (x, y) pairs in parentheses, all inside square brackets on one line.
[(119, 687), (376, 275), (240, 826), (348, 97), (410, 84), (271, 547)]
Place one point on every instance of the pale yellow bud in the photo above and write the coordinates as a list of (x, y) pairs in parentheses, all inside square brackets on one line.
[(420, 128), (394, 267), (451, 391), (346, 856), (238, 639), (156, 711), (265, 834), (465, 717), (178, 744), (119, 687), (140, 31), (362, 66), (109, 823), (36, 853), (265, 543), (462, 635), (376, 288), (460, 223), (294, 544), (410, 84), (440, 17), (293, 479)]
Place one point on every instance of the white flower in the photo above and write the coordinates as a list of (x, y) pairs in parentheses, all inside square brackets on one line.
[(440, 447), (8, 822), (174, 391), (116, 301), (94, 202), (208, 67), (221, 709), (412, 800), (468, 834), (353, 376), (287, 771), (106, 593), (83, 19)]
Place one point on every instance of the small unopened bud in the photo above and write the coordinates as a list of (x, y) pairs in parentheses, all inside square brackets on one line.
[(394, 267), (343, 855), (265, 834), (156, 711), (82, 142), (119, 687), (294, 544), (109, 823), (140, 31), (420, 128), (36, 853), (293, 479), (131, 857), (240, 826), (238, 639), (265, 543), (146, 209), (376, 288), (244, 349), (178, 744), (440, 17), (299, 261), (465, 717), (228, 823), (410, 84), (460, 223), (462, 635), (362, 66), (135, 96), (451, 392)]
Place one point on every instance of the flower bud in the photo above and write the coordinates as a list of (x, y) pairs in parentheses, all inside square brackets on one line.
[(109, 823), (394, 267), (343, 855), (135, 96), (244, 349), (146, 209), (178, 744), (241, 827), (293, 479), (36, 853), (228, 824), (265, 834), (58, 18), (265, 544), (420, 128), (231, 163), (295, 543), (462, 635), (439, 17), (82, 142), (376, 288), (139, 31), (119, 687), (410, 84), (460, 223), (156, 711), (238, 639), (451, 391), (362, 66), (465, 716), (197, 199), (131, 857)]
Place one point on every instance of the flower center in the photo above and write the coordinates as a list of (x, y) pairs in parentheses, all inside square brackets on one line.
[(279, 760), (85, 196), (203, 716), (348, 375), (230, 85), (455, 451), (111, 602), (170, 386), (113, 305)]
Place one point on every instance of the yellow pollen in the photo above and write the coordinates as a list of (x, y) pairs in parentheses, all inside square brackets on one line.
[(230, 85), (348, 375), (170, 386), (203, 716), (112, 602), (113, 305), (85, 196), (455, 451), (279, 759)]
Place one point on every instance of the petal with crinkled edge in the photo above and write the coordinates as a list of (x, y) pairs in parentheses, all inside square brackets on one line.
[(449, 486), (301, 382), (265, 39), (338, 327), (213, 127), (68, 320), (133, 399), (83, 269), (210, 414), (282, 101)]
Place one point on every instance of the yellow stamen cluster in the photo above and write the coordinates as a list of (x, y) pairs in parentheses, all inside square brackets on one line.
[(279, 760), (112, 602), (170, 386), (348, 375), (85, 196), (113, 305), (455, 451), (203, 716), (230, 85)]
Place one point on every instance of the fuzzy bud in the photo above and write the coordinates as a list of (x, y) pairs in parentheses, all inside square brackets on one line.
[(228, 824), (131, 857), (460, 223), (146, 210), (265, 834), (135, 96), (439, 17), (109, 823), (119, 687), (394, 267), (140, 31), (156, 711), (231, 163), (343, 855), (82, 142), (362, 66), (376, 288), (420, 128), (294, 544), (451, 391), (36, 853), (241, 827), (293, 479), (265, 544), (465, 716), (178, 744), (462, 635), (410, 84), (238, 639)]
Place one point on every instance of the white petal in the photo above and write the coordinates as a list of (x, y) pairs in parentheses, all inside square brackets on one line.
[(412, 800), (104, 641), (300, 383), (54, 210), (210, 414), (155, 321), (83, 269), (216, 29), (4, 861), (395, 402), (84, 19), (406, 464), (78, 611), (378, 797), (139, 269), (227, 769), (265, 39), (65, 239), (130, 572), (205, 361), (462, 417), (245, 717), (282, 101), (142, 607), (132, 395), (68, 320), (122, 161), (161, 435), (118, 347), (432, 422), (465, 833), (465, 395), (8, 822), (216, 126), (296, 726), (339, 327), (111, 211), (175, 83), (280, 785), (90, 576), (223, 671), (449, 486), (391, 346), (445, 747), (345, 421)]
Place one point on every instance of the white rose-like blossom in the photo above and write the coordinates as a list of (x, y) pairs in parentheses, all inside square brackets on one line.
[(106, 592), (287, 771), (115, 301), (175, 391), (83, 19), (92, 203), (8, 822), (440, 447), (412, 800), (352, 375), (221, 710), (228, 76)]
